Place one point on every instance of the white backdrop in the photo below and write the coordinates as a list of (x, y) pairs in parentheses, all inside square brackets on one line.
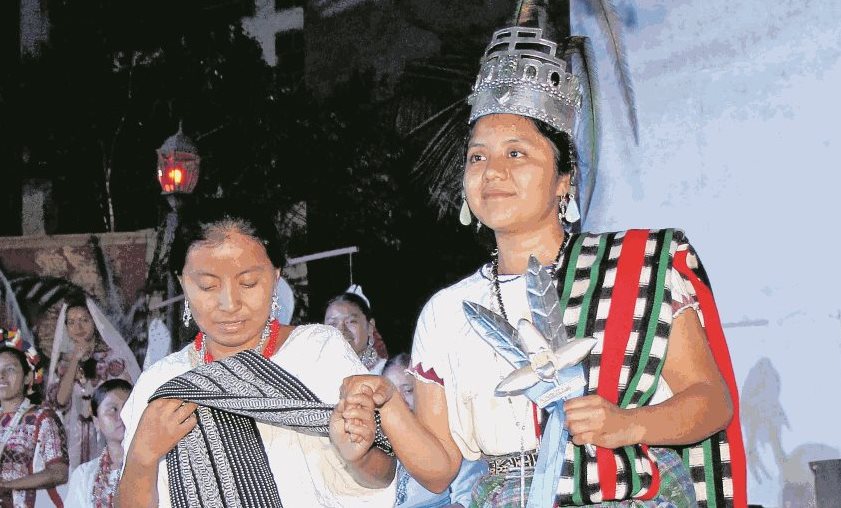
[(740, 147)]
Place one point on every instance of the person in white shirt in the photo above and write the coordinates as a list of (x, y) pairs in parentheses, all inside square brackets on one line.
[(228, 258), (94, 483)]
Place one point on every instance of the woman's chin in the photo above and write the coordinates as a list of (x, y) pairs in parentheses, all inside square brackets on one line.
[(241, 338), (7, 394)]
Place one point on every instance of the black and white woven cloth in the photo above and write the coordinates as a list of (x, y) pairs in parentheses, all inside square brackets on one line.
[(222, 462)]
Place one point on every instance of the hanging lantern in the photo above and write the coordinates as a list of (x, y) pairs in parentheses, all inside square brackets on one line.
[(178, 164)]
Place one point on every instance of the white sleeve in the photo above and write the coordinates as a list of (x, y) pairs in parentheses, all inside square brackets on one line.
[(321, 358), (429, 361), (683, 293), (150, 380), (132, 410), (80, 486)]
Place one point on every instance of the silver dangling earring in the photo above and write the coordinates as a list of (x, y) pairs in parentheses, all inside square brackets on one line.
[(369, 356), (464, 215), (562, 208), (275, 305), (187, 314)]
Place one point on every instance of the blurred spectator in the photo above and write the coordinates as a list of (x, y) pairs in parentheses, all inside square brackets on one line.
[(350, 312), (87, 350), (33, 447), (93, 484)]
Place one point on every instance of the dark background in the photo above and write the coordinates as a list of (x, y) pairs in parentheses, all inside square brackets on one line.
[(332, 125)]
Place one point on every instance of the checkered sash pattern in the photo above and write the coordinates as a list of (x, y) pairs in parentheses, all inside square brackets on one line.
[(724, 450), (614, 287)]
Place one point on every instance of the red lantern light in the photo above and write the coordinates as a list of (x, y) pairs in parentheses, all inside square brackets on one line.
[(178, 164)]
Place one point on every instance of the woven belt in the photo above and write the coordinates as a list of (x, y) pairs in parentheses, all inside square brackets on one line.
[(511, 463)]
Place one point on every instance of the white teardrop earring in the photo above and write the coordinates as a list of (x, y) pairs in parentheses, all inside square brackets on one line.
[(569, 207), (572, 213), (464, 215)]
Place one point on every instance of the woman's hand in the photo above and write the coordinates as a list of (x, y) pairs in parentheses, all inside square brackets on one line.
[(82, 350), (163, 423), (352, 425), (352, 431), (379, 389), (593, 420)]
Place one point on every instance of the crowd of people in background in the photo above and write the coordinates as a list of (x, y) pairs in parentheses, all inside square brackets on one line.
[(75, 435), (65, 423), (71, 418)]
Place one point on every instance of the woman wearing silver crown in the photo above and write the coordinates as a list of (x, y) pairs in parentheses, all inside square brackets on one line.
[(655, 423)]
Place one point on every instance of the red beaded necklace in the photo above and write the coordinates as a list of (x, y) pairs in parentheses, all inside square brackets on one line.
[(268, 348)]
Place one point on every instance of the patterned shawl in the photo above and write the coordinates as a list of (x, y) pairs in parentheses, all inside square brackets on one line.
[(614, 285), (222, 462)]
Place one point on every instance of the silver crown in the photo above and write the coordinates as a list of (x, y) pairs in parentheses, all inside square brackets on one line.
[(521, 74)]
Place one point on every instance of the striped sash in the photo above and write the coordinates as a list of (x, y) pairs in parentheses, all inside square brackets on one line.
[(614, 288), (222, 462)]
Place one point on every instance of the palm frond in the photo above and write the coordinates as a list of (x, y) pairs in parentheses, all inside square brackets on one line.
[(579, 53), (441, 162), (113, 299), (11, 309), (608, 19), (37, 293)]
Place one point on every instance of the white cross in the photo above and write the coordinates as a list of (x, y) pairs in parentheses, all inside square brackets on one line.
[(267, 22)]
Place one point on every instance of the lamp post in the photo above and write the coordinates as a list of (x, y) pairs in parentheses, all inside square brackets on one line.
[(178, 174)]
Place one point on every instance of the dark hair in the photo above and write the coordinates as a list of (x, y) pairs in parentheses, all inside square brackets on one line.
[(76, 301), (562, 146), (19, 355), (104, 389), (211, 221), (401, 360), (351, 298)]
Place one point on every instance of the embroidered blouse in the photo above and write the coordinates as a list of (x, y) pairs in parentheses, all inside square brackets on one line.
[(38, 441), (307, 469)]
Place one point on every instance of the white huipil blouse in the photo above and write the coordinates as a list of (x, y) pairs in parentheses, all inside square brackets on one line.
[(307, 469), (446, 350)]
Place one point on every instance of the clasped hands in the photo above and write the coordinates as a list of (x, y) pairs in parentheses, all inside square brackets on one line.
[(353, 424), (590, 419)]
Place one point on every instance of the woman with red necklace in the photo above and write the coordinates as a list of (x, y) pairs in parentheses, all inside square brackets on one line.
[(228, 260), (22, 425)]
